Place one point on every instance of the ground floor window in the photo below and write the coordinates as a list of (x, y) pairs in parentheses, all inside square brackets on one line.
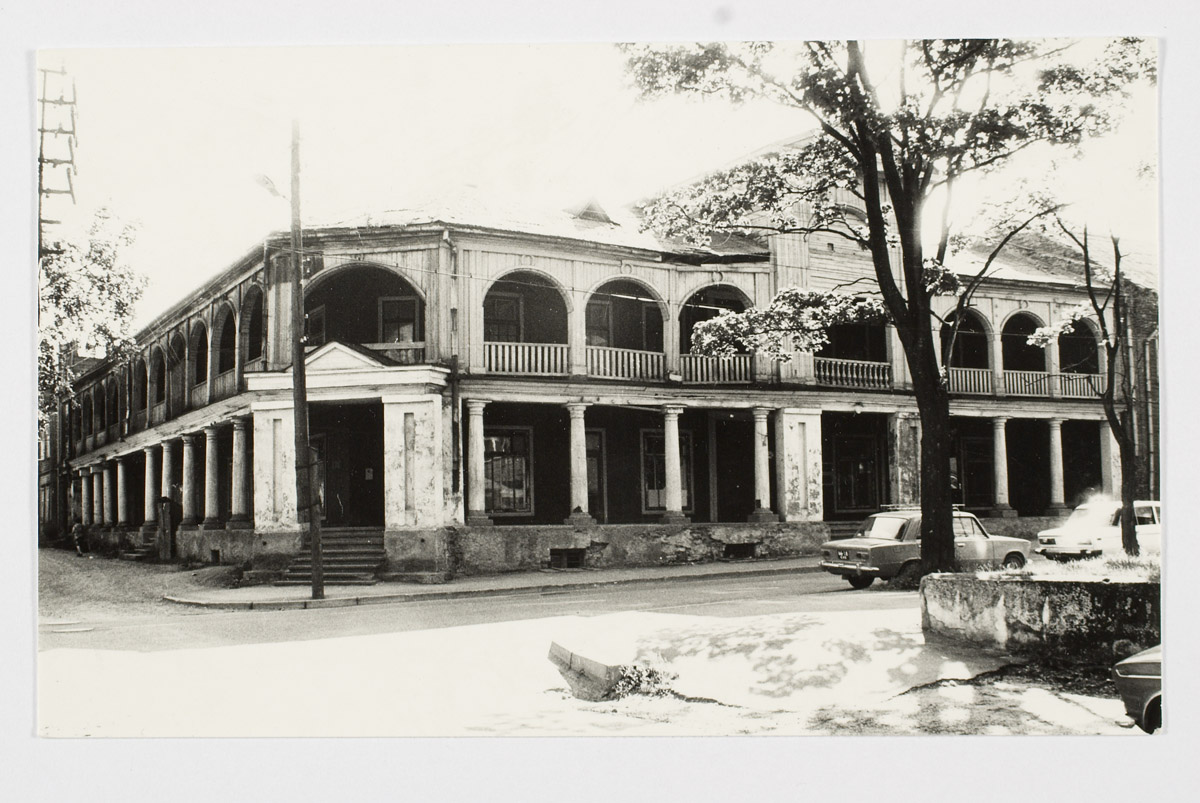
[(508, 471), (654, 470)]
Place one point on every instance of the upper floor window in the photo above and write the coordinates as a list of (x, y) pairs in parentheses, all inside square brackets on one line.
[(399, 320), (314, 327), (504, 318)]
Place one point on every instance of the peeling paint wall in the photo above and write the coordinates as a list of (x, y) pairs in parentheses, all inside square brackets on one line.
[(798, 465), (274, 468), (1017, 614)]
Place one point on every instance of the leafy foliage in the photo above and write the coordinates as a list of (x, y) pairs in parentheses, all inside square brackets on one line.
[(86, 297)]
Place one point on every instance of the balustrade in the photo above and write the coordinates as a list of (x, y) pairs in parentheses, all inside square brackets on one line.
[(1081, 386), (971, 380), (611, 363), (1027, 383), (700, 369), (853, 373), (545, 359)]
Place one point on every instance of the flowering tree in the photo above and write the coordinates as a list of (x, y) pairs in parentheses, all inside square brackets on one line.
[(1108, 309), (898, 126), (86, 297)]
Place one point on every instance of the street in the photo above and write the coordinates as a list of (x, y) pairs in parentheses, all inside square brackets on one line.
[(725, 597), (783, 653)]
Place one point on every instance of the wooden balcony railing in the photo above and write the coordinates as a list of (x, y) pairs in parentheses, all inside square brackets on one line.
[(861, 374), (224, 385), (610, 363), (403, 353), (1027, 383), (971, 380), (158, 413), (198, 395), (540, 359), (734, 369), (137, 422), (1081, 386)]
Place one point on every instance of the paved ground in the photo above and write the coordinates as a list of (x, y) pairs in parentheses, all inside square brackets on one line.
[(753, 648)]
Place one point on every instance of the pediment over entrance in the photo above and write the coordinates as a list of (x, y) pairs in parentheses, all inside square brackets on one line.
[(337, 356)]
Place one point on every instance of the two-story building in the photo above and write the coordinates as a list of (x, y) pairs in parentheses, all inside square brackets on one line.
[(491, 390)]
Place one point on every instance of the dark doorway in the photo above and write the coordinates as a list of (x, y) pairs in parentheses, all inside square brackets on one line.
[(855, 464), (971, 464), (1028, 465), (348, 438), (1081, 461)]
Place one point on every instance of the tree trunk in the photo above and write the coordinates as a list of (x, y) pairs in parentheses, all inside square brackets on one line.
[(1129, 487), (933, 403)]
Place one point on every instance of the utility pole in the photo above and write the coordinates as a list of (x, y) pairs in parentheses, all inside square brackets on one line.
[(307, 503), (56, 167)]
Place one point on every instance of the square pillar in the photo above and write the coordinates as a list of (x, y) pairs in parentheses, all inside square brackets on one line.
[(275, 468), (798, 469), (412, 461)]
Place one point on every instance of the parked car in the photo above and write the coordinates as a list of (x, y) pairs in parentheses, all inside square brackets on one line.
[(888, 544), (1139, 680), (1094, 528)]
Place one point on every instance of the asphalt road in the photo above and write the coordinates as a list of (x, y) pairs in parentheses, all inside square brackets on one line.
[(727, 597)]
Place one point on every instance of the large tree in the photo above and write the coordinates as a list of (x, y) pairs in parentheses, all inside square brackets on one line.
[(86, 296), (898, 126)]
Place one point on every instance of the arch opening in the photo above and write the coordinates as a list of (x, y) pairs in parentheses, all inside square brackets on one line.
[(622, 314), (706, 304), (524, 307), (1018, 354), (970, 344)]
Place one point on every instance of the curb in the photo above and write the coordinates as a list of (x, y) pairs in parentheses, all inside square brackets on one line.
[(388, 599)]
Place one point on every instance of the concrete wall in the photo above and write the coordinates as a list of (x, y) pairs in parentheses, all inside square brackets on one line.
[(487, 550), (1076, 619), (262, 549)]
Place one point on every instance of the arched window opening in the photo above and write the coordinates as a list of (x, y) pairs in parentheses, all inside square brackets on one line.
[(624, 315), (524, 307), (158, 376), (704, 305), (199, 354), (140, 389), (113, 405), (87, 412), (254, 327), (364, 305), (1019, 355), (226, 345), (970, 343), (101, 410), (1077, 351)]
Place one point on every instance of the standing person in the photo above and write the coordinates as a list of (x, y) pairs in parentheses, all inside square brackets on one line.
[(78, 537)]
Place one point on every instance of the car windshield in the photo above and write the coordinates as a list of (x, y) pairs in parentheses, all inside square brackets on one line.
[(882, 527), (1091, 515)]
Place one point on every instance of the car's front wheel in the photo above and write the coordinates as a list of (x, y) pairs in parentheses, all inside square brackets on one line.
[(860, 581), (1014, 561)]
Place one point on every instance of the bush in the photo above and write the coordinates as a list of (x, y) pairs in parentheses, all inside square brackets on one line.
[(645, 680)]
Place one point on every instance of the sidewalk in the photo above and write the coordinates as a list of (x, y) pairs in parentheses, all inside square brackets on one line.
[(270, 597)]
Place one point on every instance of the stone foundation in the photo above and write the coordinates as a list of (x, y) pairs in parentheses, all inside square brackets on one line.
[(491, 550), (236, 546), (1074, 619)]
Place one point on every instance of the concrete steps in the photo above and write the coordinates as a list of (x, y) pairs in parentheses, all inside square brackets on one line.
[(349, 556)]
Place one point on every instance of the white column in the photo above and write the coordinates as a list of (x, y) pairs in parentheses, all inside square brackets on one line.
[(1053, 368), (212, 484), (122, 494), (239, 509), (672, 465), (107, 490), (150, 488), (1057, 495), (998, 363), (1000, 469), (579, 489), (763, 509), (1110, 462), (476, 515), (85, 496), (168, 470), (189, 481)]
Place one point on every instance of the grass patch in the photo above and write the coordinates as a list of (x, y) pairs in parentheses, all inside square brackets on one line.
[(1115, 568)]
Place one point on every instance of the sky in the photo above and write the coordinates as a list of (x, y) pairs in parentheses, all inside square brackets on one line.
[(174, 140)]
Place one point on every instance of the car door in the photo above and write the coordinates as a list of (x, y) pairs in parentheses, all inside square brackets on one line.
[(1149, 529), (971, 547)]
